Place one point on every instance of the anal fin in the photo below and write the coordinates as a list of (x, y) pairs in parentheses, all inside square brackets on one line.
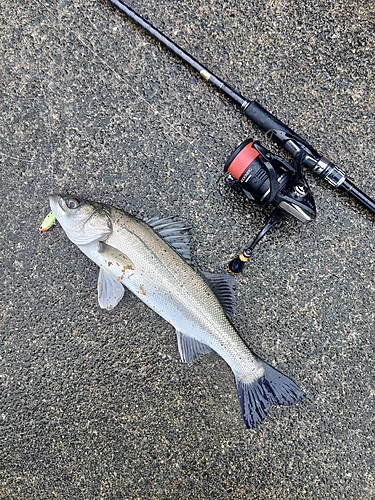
[(190, 348)]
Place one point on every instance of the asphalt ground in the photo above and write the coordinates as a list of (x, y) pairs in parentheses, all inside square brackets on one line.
[(96, 404)]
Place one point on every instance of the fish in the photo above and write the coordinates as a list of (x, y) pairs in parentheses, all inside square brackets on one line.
[(152, 258)]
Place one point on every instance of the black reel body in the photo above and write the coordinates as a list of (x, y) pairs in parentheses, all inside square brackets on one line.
[(267, 179)]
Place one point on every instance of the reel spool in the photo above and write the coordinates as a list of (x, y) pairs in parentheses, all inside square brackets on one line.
[(267, 179)]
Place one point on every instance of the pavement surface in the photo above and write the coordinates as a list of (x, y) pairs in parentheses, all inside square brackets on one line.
[(96, 404)]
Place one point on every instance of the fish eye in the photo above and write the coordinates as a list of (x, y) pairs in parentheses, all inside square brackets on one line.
[(72, 203)]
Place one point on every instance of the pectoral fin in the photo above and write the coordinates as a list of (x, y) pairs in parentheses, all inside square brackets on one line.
[(110, 291), (190, 348)]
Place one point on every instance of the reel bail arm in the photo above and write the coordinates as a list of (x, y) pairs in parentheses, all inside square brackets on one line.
[(268, 179)]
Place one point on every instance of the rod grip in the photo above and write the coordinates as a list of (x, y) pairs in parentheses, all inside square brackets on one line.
[(272, 125)]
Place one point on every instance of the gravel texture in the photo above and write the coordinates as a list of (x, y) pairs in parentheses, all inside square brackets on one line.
[(96, 404)]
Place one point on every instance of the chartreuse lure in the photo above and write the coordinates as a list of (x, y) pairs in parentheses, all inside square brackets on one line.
[(48, 222)]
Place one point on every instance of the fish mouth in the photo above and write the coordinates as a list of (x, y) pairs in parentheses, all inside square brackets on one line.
[(58, 204)]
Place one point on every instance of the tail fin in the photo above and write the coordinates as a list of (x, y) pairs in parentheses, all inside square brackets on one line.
[(256, 398)]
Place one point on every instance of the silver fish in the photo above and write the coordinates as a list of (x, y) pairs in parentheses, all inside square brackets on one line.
[(152, 259)]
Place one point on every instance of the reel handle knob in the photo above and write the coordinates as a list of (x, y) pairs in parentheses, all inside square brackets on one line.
[(236, 265)]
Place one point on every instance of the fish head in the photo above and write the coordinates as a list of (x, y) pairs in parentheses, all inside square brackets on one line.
[(84, 222)]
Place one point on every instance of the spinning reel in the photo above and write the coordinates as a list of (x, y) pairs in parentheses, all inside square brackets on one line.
[(263, 177), (267, 179)]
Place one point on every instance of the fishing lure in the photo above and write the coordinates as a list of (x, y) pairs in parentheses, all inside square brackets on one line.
[(48, 222)]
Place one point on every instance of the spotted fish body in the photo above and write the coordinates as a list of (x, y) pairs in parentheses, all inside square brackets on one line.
[(139, 255)]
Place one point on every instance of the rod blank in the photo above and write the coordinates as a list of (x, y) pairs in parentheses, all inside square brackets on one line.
[(287, 138)]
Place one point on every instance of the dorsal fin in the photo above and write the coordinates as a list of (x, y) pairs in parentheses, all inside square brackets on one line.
[(175, 232), (224, 287)]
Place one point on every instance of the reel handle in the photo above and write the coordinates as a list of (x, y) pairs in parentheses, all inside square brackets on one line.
[(238, 263)]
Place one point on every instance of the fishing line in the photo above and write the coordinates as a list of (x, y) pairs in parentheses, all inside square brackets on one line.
[(275, 181), (135, 92), (5, 155), (33, 60), (15, 158), (49, 128), (302, 152)]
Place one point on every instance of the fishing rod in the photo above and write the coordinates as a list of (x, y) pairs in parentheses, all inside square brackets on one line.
[(252, 170)]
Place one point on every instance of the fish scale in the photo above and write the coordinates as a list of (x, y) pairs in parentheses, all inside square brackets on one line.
[(175, 291), (130, 253)]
